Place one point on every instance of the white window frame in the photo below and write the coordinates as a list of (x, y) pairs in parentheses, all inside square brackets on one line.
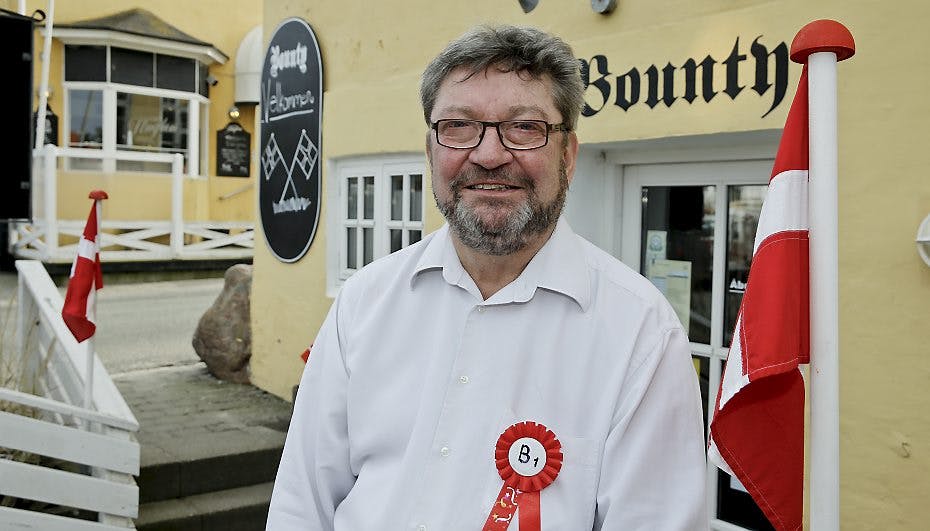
[(381, 168), (198, 114)]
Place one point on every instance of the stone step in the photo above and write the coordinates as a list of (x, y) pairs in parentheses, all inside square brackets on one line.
[(213, 463), (209, 448), (238, 509)]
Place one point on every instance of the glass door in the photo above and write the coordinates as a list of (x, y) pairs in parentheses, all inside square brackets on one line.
[(690, 229)]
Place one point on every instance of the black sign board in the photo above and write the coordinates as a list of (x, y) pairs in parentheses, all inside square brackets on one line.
[(291, 103), (16, 95), (233, 151)]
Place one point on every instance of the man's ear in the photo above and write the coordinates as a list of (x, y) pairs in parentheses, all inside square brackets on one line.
[(570, 155), (429, 148)]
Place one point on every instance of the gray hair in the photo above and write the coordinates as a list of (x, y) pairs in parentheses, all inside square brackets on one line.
[(511, 49)]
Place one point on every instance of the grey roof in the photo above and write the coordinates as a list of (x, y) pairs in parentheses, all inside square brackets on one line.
[(136, 22)]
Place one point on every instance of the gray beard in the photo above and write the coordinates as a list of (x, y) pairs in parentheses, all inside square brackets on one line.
[(531, 218)]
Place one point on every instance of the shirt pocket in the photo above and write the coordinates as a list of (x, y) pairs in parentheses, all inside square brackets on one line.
[(570, 501)]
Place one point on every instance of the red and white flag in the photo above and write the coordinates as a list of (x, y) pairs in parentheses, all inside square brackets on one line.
[(86, 277), (757, 431)]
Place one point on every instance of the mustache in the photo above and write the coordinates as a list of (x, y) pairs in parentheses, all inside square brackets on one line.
[(471, 176)]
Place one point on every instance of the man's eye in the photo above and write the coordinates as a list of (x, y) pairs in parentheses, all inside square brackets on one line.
[(456, 124), (528, 127)]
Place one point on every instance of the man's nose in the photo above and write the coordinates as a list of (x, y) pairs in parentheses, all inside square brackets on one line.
[(490, 153)]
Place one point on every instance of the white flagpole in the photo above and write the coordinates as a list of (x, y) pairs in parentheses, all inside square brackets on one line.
[(91, 351), (43, 86), (822, 43), (825, 420)]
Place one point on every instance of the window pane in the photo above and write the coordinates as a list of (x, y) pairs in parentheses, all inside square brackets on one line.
[(414, 236), (174, 125), (744, 203), (416, 198), (368, 243), (351, 260), (175, 73), (138, 121), (85, 63), (150, 124), (396, 239), (85, 120), (352, 198), (369, 199), (131, 67), (397, 197), (677, 243)]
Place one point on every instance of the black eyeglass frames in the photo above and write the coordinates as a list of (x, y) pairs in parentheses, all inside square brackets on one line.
[(514, 134)]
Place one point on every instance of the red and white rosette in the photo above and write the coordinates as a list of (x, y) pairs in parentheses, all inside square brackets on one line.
[(528, 457)]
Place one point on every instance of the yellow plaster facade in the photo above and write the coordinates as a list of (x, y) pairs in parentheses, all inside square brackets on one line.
[(374, 53)]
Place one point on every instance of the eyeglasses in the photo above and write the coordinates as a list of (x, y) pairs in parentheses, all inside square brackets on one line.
[(514, 134)]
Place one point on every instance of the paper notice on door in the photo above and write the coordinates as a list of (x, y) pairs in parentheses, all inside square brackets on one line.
[(655, 248), (673, 278)]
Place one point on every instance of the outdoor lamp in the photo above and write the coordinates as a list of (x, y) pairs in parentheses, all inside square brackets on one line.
[(923, 240)]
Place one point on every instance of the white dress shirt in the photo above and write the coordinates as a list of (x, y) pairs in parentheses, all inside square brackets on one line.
[(413, 377)]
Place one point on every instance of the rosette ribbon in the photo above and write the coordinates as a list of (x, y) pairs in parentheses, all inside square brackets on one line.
[(528, 457)]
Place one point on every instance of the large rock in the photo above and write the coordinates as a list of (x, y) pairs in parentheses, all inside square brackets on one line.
[(223, 338)]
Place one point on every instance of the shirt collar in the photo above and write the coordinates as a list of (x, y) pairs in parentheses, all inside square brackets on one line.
[(559, 266), (440, 254)]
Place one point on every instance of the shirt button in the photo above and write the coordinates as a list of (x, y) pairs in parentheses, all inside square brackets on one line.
[(463, 379), (444, 451), (480, 309), (421, 527)]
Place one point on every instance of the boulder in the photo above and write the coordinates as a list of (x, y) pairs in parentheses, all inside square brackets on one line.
[(223, 338)]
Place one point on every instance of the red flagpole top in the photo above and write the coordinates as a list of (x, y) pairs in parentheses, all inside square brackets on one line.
[(823, 36), (97, 195)]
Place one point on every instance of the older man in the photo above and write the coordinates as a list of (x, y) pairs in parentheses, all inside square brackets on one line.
[(503, 373)]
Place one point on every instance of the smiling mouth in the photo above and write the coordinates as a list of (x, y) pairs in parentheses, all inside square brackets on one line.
[(495, 187)]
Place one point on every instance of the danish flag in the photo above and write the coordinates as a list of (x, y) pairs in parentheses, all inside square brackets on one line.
[(757, 432), (86, 277)]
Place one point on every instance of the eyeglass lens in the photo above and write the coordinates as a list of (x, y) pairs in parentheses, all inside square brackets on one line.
[(525, 134)]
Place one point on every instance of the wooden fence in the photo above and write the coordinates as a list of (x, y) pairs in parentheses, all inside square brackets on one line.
[(82, 458), (124, 240)]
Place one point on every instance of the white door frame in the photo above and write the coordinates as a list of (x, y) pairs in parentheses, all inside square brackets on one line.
[(720, 174)]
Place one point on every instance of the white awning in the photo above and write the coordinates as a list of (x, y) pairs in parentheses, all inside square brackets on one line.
[(249, 58)]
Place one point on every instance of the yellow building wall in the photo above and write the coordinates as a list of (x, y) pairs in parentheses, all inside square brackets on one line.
[(132, 196), (374, 53), (219, 22)]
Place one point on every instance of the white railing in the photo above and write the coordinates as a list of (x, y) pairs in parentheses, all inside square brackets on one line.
[(124, 241), (94, 447)]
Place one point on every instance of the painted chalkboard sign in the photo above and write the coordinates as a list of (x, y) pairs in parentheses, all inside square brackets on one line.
[(291, 101), (233, 151)]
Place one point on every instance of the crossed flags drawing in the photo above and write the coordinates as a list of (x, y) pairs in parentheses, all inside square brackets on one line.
[(304, 160)]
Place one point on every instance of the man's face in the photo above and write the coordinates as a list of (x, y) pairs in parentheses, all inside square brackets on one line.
[(497, 200)]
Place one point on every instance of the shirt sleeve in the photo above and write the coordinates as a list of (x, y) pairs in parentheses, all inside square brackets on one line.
[(314, 474), (653, 473)]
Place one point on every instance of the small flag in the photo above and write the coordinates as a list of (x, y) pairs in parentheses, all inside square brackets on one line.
[(757, 431), (86, 277)]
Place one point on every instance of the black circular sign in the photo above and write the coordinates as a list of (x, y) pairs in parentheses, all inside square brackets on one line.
[(291, 105)]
